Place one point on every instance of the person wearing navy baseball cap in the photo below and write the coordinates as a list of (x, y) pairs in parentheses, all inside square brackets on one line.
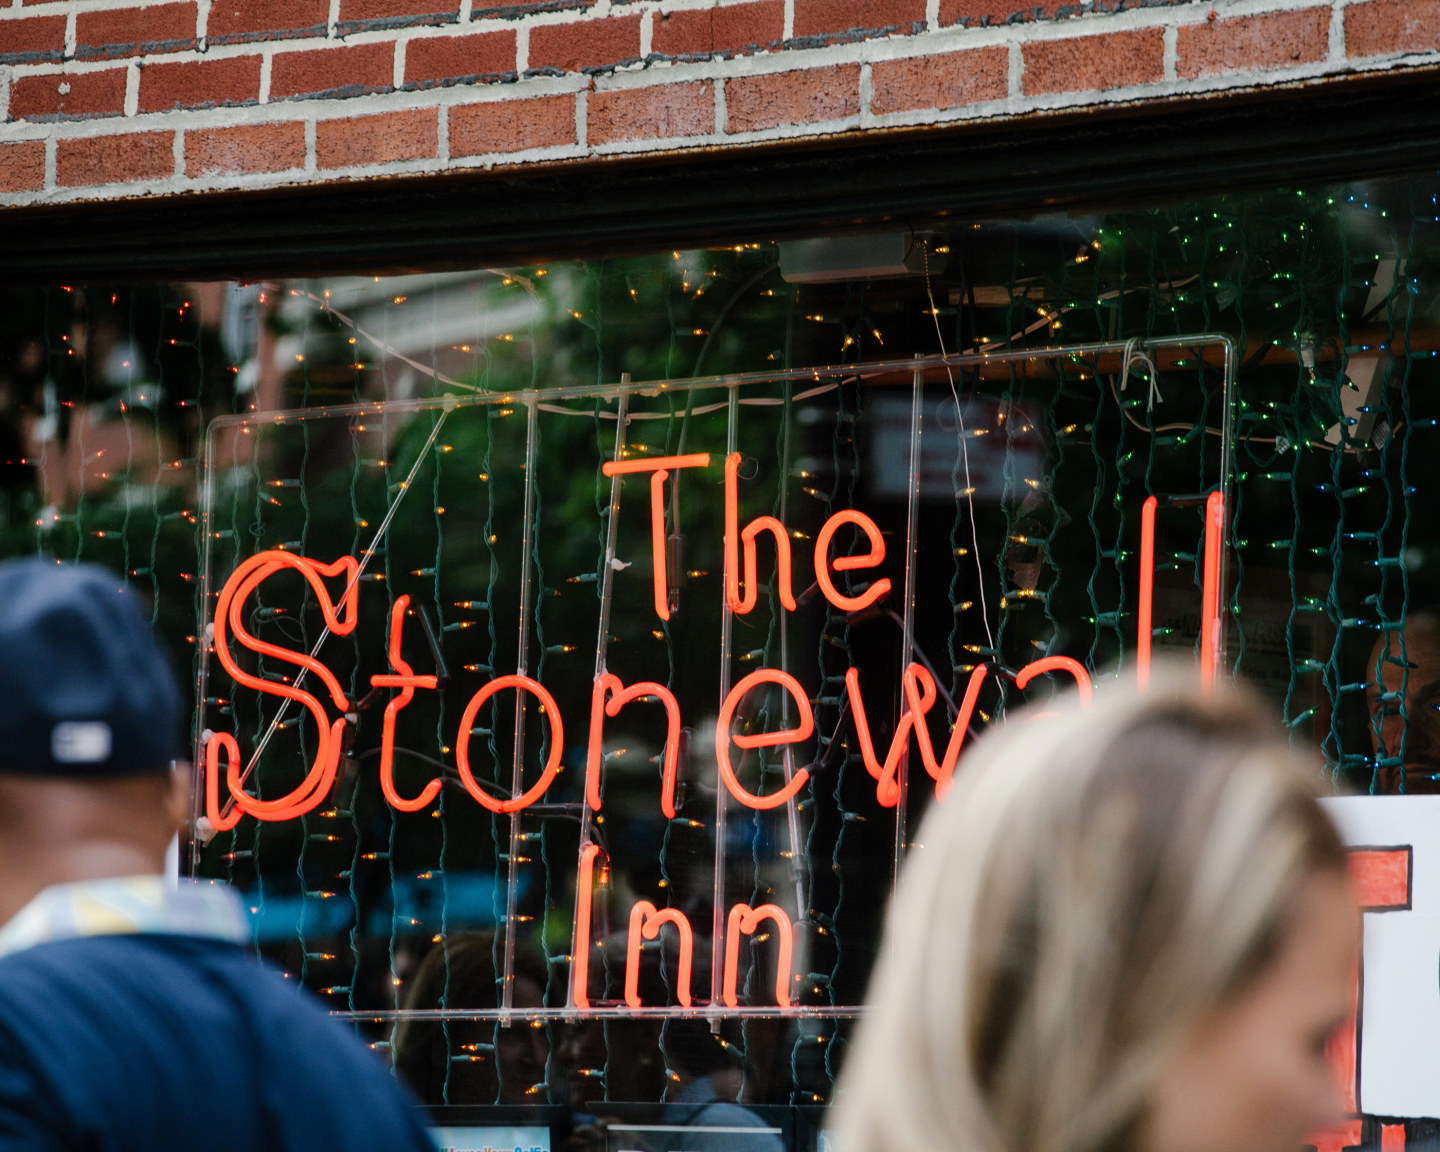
[(133, 1014)]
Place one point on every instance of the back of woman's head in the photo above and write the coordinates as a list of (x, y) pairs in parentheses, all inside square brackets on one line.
[(1097, 881)]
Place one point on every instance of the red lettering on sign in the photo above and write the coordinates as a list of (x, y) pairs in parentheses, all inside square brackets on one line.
[(243, 581), (645, 922), (1347, 1135), (723, 737), (608, 685), (552, 763), (658, 467), (735, 538), (1381, 878), (406, 680), (870, 559), (743, 921)]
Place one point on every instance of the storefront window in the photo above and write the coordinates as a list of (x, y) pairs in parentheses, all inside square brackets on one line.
[(420, 488)]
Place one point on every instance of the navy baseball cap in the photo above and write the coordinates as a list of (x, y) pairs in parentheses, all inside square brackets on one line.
[(85, 691)]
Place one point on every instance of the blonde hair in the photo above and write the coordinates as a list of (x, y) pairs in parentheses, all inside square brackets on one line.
[(1097, 881)]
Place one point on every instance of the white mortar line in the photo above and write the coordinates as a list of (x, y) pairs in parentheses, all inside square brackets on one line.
[(51, 147), (132, 88), (787, 31), (397, 75), (310, 164), (263, 97), (332, 19), (1172, 52), (1337, 32), (582, 125)]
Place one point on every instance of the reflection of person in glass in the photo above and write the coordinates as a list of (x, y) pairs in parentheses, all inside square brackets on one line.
[(1404, 667), (1130, 928), (637, 1060), (459, 1061)]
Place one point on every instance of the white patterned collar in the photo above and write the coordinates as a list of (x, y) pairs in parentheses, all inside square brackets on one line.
[(125, 906)]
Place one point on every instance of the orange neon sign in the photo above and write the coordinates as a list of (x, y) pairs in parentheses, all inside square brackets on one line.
[(580, 952), (317, 783), (659, 469), (1145, 626), (552, 763), (724, 737), (645, 923), (609, 696), (1210, 640), (876, 556), (334, 587), (406, 680), (743, 921)]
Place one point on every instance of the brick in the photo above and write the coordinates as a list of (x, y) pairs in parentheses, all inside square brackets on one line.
[(856, 19), (1385, 26), (1275, 40), (585, 45), (508, 8), (699, 32), (115, 159), (245, 148), (975, 12), (22, 166), (245, 21), (451, 59), (199, 83), (349, 71), (949, 81), (988, 13), (410, 135), (356, 15), (659, 112), (68, 95), (132, 31), (1093, 63), (512, 125), (32, 39), (753, 103)]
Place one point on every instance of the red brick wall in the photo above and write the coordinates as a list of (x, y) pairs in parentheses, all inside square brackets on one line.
[(107, 99)]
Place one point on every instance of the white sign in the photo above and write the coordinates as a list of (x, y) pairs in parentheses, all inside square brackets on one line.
[(1396, 840)]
